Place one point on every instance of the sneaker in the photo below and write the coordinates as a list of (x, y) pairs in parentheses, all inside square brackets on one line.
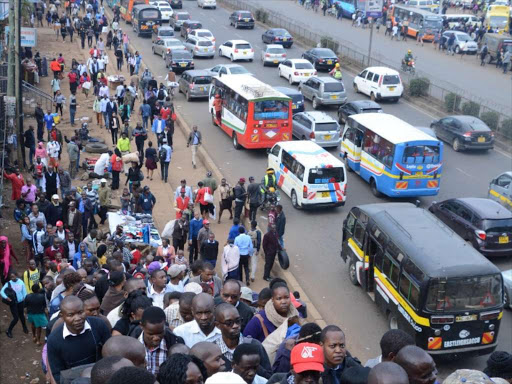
[(25, 330), (9, 334)]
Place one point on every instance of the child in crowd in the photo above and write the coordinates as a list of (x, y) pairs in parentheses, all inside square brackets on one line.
[(36, 305)]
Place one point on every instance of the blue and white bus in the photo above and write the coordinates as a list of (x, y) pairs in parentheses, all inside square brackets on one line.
[(372, 8), (395, 158)]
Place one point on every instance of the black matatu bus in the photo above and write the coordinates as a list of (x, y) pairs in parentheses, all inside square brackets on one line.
[(425, 278), (145, 18)]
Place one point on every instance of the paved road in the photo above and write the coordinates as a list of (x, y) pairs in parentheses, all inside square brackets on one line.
[(486, 82), (313, 238)]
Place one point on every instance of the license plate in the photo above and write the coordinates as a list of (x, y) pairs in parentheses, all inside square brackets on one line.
[(245, 53), (327, 137), (481, 139), (285, 39), (271, 125), (206, 49), (276, 61), (183, 64), (325, 194), (503, 240), (201, 89), (329, 62), (306, 74), (246, 20), (334, 97), (466, 318), (391, 88), (294, 106)]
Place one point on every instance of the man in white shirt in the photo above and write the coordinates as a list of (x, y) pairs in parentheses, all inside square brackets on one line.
[(53, 149), (104, 91), (202, 328), (246, 361), (157, 287), (99, 167), (101, 63), (188, 190), (103, 109), (120, 92)]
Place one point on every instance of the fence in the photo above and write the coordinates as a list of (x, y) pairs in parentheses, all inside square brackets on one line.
[(447, 97)]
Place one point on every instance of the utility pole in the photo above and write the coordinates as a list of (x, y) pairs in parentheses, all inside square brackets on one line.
[(12, 61), (17, 85), (371, 39)]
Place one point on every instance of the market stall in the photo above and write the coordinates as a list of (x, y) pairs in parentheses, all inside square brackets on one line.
[(138, 228)]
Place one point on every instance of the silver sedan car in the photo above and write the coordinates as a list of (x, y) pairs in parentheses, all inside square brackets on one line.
[(273, 54), (161, 47)]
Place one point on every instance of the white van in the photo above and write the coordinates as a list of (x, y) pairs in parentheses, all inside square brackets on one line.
[(310, 175), (207, 3), (380, 83), (455, 21)]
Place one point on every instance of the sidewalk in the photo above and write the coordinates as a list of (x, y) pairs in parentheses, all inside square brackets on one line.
[(181, 164)]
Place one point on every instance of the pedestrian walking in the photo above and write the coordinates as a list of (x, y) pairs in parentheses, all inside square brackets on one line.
[(165, 154), (226, 199), (240, 196), (194, 226), (114, 127), (15, 292), (194, 141), (483, 54), (151, 160), (73, 154), (256, 237), (506, 61), (72, 108), (244, 244), (140, 135), (254, 198), (271, 246), (280, 224)]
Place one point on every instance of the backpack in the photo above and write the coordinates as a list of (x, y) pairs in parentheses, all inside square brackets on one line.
[(161, 94), (162, 153)]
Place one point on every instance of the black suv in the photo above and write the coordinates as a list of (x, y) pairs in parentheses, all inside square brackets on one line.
[(321, 58), (483, 223), (176, 4), (241, 19), (356, 107)]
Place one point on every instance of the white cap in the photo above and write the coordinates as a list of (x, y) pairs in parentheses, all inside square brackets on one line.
[(193, 287), (55, 197), (103, 180), (225, 378)]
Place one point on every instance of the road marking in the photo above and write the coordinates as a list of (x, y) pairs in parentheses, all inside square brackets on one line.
[(238, 35), (464, 172), (503, 153)]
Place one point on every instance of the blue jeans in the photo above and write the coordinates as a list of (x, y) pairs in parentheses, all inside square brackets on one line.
[(31, 153), (281, 241), (106, 119), (145, 120), (72, 113), (233, 274)]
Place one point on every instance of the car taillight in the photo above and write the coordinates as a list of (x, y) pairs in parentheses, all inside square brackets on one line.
[(305, 192), (312, 135), (191, 85), (489, 315), (173, 62), (283, 55), (214, 40), (321, 60), (252, 49), (276, 38), (441, 319), (481, 234), (267, 54), (196, 48), (467, 134), (314, 73), (236, 50), (296, 73)]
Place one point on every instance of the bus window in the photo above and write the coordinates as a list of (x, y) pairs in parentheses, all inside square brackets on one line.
[(409, 291), (421, 154), (326, 175), (271, 109), (390, 269), (359, 234), (412, 270), (379, 148), (299, 170), (465, 294), (373, 248), (287, 160), (275, 150), (351, 222)]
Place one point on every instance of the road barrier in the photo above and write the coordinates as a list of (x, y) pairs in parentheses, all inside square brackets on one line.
[(446, 98)]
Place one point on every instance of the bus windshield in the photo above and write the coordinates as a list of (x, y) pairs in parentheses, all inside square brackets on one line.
[(498, 21), (326, 175), (149, 14), (432, 23), (464, 294), (271, 109)]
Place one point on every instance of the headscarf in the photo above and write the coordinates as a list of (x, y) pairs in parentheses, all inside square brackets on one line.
[(7, 255), (41, 151), (274, 317)]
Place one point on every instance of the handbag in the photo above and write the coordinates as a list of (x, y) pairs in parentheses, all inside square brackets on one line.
[(208, 197), (9, 292), (284, 261)]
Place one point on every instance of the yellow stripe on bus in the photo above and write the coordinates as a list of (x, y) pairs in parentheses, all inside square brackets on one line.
[(418, 319), (358, 250), (500, 196)]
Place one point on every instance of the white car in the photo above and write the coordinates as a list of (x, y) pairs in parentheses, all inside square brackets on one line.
[(463, 42), (207, 4), (380, 83), (237, 50), (161, 47), (296, 70), (203, 33), (229, 69), (273, 54), (164, 8)]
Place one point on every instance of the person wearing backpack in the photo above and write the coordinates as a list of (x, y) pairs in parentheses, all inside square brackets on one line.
[(31, 276), (13, 293), (255, 234)]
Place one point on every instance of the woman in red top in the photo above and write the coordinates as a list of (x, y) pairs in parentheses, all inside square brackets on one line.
[(117, 166), (6, 252), (17, 182), (181, 203), (204, 206)]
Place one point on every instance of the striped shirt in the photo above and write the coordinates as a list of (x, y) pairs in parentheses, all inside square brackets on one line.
[(154, 357)]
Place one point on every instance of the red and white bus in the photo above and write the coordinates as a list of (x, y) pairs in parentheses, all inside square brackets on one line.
[(254, 114)]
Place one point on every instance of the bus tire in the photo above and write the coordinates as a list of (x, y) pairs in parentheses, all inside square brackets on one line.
[(295, 200), (373, 187), (392, 321), (236, 144), (352, 273)]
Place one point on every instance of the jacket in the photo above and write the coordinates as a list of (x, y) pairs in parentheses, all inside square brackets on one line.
[(195, 226), (209, 251), (170, 338), (230, 259), (179, 233), (147, 202), (240, 193), (327, 374), (76, 228), (191, 138), (73, 151), (280, 224), (271, 243), (253, 191)]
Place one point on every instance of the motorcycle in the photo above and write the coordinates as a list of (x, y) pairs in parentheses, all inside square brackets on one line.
[(410, 66), (272, 197)]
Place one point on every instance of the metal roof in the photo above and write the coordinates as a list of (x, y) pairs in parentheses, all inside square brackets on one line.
[(391, 128), (437, 250)]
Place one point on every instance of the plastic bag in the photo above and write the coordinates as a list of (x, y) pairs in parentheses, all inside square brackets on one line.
[(168, 230)]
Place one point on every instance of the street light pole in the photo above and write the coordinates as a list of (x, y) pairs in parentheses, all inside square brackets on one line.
[(371, 39), (12, 60), (17, 85)]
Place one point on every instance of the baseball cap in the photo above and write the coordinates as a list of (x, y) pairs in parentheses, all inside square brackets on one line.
[(153, 267), (103, 180), (468, 376), (246, 294), (307, 357), (194, 288), (176, 269), (59, 224), (55, 197), (225, 378), (206, 222), (242, 180)]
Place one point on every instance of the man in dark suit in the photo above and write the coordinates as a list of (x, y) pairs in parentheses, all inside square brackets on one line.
[(73, 220), (70, 245)]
